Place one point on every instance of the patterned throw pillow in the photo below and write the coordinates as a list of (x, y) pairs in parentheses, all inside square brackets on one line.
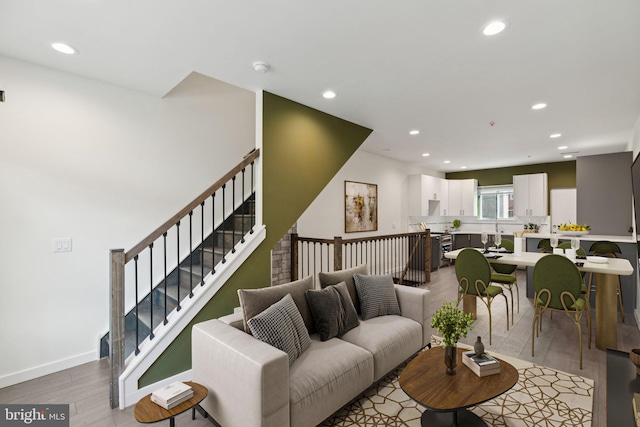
[(377, 295), (332, 310), (281, 326)]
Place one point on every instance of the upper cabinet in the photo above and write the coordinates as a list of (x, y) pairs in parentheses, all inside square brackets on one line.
[(530, 193), (463, 197), (428, 195)]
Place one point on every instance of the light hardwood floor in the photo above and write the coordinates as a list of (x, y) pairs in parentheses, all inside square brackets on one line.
[(86, 388)]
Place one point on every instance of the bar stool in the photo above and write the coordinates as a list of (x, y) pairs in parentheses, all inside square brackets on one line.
[(607, 249)]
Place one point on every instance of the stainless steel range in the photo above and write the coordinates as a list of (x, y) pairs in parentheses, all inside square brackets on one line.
[(444, 245)]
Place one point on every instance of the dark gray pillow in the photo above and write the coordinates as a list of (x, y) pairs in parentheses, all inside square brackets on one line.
[(332, 310), (377, 295), (281, 326), (335, 277)]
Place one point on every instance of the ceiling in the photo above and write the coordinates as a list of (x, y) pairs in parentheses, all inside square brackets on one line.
[(395, 66)]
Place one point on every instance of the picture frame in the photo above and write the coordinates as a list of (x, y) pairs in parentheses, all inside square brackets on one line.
[(360, 207)]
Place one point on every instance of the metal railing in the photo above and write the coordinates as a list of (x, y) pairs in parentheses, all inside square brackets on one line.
[(158, 273), (407, 256)]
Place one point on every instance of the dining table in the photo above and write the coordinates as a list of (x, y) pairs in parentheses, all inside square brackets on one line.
[(606, 303)]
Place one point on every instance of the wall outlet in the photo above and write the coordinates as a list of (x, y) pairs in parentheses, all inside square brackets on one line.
[(62, 244)]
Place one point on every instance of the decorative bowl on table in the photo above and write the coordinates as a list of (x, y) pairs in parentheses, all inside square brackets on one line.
[(573, 233), (573, 229)]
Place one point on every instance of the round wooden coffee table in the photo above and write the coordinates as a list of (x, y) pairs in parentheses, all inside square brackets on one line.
[(446, 397), (147, 411)]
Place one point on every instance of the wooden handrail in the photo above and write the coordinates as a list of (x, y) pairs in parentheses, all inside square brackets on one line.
[(191, 206)]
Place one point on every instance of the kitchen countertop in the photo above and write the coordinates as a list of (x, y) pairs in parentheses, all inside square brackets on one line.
[(594, 237)]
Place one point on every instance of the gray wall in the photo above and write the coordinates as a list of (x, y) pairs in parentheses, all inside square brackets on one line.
[(604, 193)]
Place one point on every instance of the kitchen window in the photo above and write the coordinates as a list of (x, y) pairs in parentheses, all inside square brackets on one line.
[(495, 202)]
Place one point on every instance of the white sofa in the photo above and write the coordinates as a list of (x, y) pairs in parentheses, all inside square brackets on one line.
[(251, 383)]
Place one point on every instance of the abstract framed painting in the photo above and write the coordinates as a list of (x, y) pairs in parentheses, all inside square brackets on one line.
[(360, 207)]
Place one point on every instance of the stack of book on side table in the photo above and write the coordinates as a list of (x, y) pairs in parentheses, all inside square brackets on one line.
[(172, 395), (481, 365)]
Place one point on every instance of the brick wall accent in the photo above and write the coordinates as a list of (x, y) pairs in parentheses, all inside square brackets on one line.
[(281, 259)]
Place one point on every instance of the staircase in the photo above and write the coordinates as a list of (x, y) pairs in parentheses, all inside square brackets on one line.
[(153, 308)]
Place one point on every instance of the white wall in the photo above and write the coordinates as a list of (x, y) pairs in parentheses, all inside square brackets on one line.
[(104, 166), (324, 218)]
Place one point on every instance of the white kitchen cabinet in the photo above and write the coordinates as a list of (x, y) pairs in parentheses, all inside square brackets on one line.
[(530, 194), (463, 197), (427, 195)]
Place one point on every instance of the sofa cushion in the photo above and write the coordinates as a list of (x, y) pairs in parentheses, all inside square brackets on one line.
[(391, 340), (254, 301), (377, 295), (281, 326), (325, 378), (332, 310), (335, 277)]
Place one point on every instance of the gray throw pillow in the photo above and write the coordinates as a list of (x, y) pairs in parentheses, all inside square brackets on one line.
[(254, 301), (332, 310), (335, 277), (281, 326), (377, 295)]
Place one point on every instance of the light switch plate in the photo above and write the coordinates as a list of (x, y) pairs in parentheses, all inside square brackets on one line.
[(62, 244)]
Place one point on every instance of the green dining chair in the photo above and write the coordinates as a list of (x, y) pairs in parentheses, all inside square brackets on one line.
[(607, 249), (557, 283), (505, 275), (474, 278)]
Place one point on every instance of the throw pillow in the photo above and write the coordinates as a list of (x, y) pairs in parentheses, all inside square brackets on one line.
[(332, 310), (335, 277), (377, 295), (255, 301), (281, 326)]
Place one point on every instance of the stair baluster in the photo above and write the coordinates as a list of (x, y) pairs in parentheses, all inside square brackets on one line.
[(135, 262), (164, 239), (151, 335)]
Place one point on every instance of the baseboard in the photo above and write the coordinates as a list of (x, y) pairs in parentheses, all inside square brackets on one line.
[(49, 368), (134, 397)]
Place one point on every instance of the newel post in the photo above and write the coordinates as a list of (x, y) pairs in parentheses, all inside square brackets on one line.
[(116, 323), (427, 254), (337, 253), (294, 256)]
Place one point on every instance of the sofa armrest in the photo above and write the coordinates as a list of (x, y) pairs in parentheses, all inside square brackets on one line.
[(247, 379), (415, 304)]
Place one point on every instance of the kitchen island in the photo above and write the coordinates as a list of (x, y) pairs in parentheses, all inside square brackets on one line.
[(628, 246)]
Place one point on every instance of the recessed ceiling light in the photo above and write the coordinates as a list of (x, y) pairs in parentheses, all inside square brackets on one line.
[(567, 156), (463, 167), (447, 161), (539, 106), (555, 135), (414, 132), (425, 154), (493, 28), (329, 94), (64, 48), (562, 147)]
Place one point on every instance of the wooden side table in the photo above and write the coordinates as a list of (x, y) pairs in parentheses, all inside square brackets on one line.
[(147, 411), (446, 397)]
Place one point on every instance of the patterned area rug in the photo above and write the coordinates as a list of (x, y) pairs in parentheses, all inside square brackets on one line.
[(542, 397)]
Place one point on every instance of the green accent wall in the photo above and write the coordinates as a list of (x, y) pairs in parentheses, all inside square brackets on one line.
[(302, 150)]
